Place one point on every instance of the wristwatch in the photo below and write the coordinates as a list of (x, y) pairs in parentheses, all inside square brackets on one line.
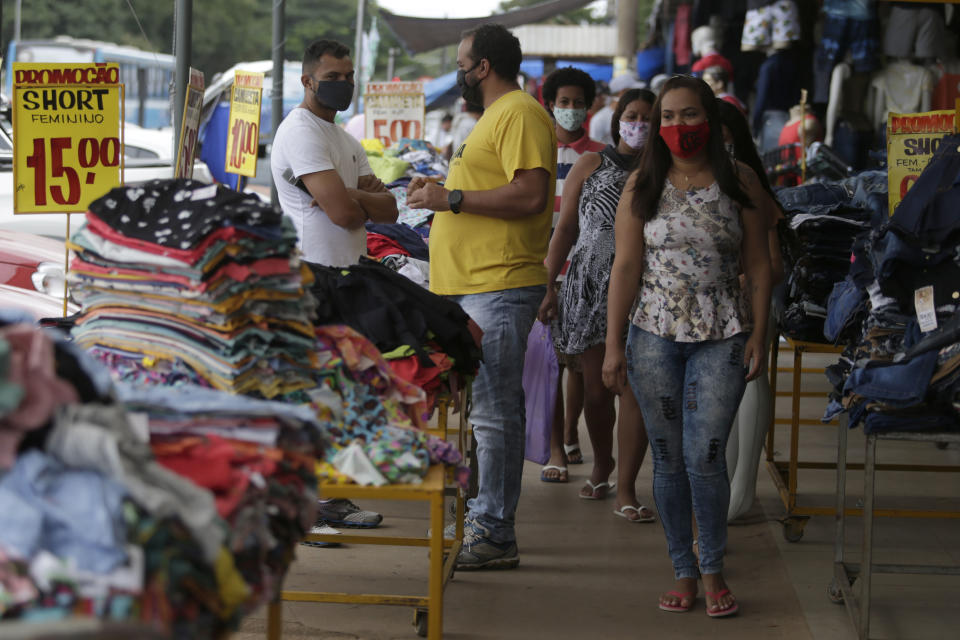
[(455, 199)]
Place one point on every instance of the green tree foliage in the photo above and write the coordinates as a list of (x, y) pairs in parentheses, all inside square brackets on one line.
[(225, 32), (583, 15)]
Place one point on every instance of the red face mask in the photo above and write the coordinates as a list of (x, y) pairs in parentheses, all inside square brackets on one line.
[(686, 140)]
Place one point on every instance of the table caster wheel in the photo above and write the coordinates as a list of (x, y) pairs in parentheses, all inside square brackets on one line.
[(793, 527), (421, 622), (834, 593)]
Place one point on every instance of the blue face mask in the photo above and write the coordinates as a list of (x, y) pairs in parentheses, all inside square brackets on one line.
[(570, 119)]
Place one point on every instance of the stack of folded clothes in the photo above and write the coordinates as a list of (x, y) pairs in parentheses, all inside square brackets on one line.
[(823, 221), (179, 508), (427, 339), (901, 368), (184, 282)]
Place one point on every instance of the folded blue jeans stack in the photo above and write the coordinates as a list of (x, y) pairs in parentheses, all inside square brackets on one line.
[(901, 368), (824, 221)]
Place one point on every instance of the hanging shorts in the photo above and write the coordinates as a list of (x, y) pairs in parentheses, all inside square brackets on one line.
[(916, 32), (776, 24)]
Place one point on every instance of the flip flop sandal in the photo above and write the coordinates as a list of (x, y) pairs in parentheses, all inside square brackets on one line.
[(722, 613), (605, 487), (679, 608), (622, 512), (571, 450), (552, 467)]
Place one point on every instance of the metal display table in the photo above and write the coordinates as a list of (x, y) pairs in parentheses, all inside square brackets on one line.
[(846, 573)]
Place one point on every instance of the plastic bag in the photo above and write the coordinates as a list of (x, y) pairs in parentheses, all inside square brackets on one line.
[(540, 373)]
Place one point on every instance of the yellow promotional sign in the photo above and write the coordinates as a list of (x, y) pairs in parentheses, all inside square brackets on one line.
[(190, 126), (912, 139), (67, 135), (393, 110), (243, 130)]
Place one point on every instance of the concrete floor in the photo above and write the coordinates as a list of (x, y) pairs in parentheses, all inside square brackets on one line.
[(585, 573)]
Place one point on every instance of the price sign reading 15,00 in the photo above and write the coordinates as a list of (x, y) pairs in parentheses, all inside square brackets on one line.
[(59, 167), (67, 135)]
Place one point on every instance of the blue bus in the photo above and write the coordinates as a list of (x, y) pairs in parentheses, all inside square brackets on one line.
[(147, 76)]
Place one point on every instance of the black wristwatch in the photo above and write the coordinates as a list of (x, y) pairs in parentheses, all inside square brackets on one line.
[(455, 199)]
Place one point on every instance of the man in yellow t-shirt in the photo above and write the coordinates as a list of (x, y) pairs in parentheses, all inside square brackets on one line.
[(487, 246)]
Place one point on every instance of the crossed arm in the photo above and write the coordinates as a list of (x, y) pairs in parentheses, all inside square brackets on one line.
[(351, 208)]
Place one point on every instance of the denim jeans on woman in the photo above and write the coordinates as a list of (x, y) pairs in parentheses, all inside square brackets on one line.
[(498, 412), (688, 393)]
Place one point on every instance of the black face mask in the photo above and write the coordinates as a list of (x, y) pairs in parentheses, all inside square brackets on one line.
[(469, 93), (334, 94)]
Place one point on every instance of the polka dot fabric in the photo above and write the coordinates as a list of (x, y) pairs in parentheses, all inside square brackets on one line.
[(180, 213)]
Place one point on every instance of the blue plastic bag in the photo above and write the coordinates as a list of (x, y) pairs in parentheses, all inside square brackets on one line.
[(540, 373)]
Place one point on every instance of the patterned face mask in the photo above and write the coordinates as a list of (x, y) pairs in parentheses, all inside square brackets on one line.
[(685, 140), (570, 119), (635, 133)]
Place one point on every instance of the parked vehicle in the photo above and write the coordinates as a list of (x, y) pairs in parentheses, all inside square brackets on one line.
[(148, 155), (146, 75)]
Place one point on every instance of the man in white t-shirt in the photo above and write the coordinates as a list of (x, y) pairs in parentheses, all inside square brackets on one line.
[(324, 182), (327, 188)]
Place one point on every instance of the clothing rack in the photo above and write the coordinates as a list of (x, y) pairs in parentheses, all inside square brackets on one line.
[(428, 610)]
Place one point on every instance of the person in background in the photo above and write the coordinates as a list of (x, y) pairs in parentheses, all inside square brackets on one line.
[(602, 92), (567, 92), (464, 124), (689, 222), (579, 313), (326, 187), (753, 416), (600, 124), (443, 135), (487, 246)]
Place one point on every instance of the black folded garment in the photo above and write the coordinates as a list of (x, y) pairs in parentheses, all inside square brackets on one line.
[(392, 311)]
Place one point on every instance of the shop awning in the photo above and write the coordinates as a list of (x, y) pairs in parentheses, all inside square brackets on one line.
[(424, 34)]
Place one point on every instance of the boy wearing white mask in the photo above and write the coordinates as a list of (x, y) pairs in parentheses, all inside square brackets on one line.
[(567, 92)]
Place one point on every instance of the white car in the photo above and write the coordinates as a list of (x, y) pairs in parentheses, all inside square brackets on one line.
[(147, 156)]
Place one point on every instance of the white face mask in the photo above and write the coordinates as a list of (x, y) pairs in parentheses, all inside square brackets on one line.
[(570, 119), (635, 133)]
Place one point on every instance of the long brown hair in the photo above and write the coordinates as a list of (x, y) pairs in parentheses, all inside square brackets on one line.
[(655, 160)]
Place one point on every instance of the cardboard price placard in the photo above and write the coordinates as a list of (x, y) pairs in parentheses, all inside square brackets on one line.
[(190, 125), (912, 139), (394, 110), (243, 130), (67, 135)]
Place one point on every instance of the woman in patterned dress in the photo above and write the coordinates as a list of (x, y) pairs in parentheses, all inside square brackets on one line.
[(588, 205), (688, 223)]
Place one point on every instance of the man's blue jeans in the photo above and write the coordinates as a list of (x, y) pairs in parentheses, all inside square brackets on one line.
[(498, 413), (688, 393)]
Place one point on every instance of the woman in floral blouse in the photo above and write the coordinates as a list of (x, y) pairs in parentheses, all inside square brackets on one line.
[(685, 227)]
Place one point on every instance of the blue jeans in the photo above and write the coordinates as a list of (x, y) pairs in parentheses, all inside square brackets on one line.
[(688, 393), (498, 412)]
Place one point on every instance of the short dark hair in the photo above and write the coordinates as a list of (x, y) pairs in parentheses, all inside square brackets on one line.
[(318, 48), (446, 118), (629, 96), (500, 48), (569, 77)]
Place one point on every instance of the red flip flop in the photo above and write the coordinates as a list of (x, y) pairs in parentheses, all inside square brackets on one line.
[(679, 608), (722, 613)]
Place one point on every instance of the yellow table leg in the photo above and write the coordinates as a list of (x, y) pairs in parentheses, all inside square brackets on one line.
[(435, 593), (794, 428), (274, 620)]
